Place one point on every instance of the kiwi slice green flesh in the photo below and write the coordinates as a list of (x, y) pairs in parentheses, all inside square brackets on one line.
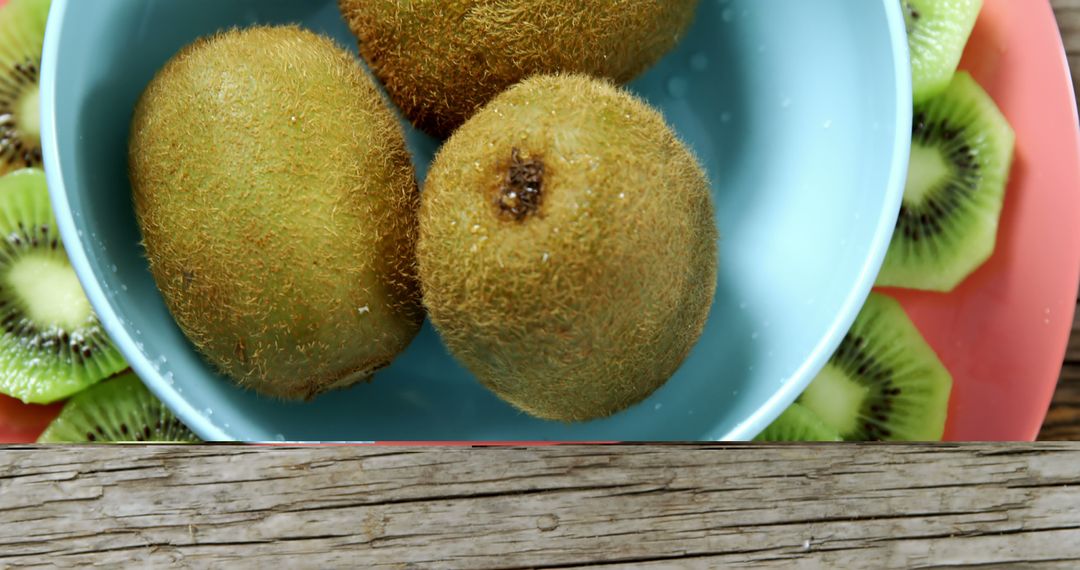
[(22, 31), (937, 33), (797, 423), (118, 410), (51, 344), (961, 155), (884, 382)]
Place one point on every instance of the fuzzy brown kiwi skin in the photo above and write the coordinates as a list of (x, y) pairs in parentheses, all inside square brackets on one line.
[(277, 203), (441, 60), (581, 300)]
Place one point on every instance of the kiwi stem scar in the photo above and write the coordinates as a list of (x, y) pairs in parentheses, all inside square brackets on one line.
[(522, 190)]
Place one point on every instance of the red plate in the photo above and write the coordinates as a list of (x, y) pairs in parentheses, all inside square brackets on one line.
[(1003, 332)]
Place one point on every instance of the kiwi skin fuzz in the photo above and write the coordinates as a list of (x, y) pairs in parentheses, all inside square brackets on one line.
[(278, 203), (441, 60), (568, 248)]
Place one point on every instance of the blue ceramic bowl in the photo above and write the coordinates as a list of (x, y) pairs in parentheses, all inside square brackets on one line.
[(801, 112)]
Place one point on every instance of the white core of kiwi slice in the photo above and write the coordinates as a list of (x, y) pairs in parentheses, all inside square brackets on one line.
[(49, 291)]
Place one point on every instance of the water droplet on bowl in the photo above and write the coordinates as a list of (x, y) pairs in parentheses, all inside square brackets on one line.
[(728, 14), (678, 87), (699, 62)]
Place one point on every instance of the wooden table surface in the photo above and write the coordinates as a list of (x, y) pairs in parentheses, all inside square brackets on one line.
[(701, 506), (1063, 420)]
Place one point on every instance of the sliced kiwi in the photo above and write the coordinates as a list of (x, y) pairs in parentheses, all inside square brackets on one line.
[(961, 154), (937, 32), (22, 31), (51, 344), (119, 410), (884, 382), (798, 424)]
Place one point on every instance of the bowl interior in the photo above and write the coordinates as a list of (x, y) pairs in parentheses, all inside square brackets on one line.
[(802, 128)]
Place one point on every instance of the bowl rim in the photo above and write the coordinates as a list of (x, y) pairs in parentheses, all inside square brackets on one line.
[(208, 430), (879, 245)]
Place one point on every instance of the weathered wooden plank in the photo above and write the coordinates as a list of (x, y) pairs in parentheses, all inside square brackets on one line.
[(541, 507)]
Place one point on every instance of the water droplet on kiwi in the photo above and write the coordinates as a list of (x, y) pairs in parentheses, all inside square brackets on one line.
[(123, 287), (114, 268), (658, 406)]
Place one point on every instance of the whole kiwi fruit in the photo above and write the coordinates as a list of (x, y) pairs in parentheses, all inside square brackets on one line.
[(277, 204), (568, 248), (441, 60)]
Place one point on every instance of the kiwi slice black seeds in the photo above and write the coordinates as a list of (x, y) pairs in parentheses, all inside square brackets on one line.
[(120, 409), (51, 344), (961, 155), (884, 382), (19, 146)]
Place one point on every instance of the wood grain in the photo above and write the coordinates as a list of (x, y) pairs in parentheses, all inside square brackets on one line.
[(835, 506), (1063, 420)]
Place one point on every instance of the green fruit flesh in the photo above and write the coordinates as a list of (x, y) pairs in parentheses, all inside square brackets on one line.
[(282, 235), (833, 395), (938, 30), (884, 382), (962, 151), (797, 423), (568, 248), (119, 410), (441, 60), (51, 344), (22, 31)]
